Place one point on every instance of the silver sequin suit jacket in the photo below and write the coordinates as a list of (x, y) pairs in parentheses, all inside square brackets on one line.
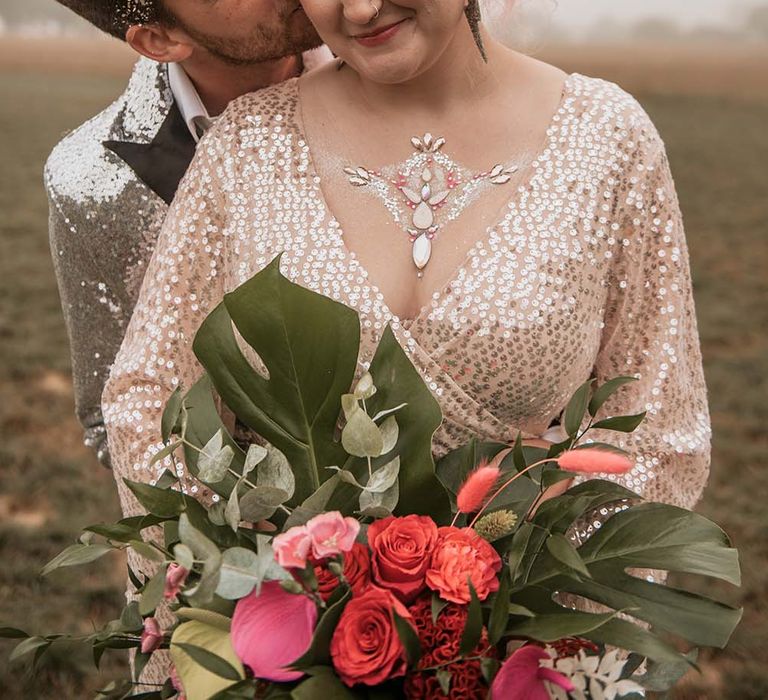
[(109, 184)]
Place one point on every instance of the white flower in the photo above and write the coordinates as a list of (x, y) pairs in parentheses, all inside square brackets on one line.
[(593, 677)]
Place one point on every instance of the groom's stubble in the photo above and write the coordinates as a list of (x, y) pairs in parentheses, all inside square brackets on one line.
[(287, 32)]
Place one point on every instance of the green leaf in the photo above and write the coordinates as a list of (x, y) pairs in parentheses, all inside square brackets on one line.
[(167, 451), (388, 411), (605, 391), (365, 388), (319, 652), (473, 629), (146, 550), (256, 455), (371, 503), (12, 633), (644, 536), (164, 503), (130, 617), (361, 437), (576, 408), (497, 623), (517, 453), (409, 639), (384, 478), (232, 513), (622, 424), (207, 617), (444, 678), (76, 555), (210, 661), (116, 532), (438, 605), (214, 461), (167, 480), (152, 593), (275, 471), (261, 503), (325, 686), (561, 548), (171, 413), (200, 683), (28, 646), (390, 432), (206, 551), (662, 677), (184, 556), (550, 628), (550, 477), (241, 571)]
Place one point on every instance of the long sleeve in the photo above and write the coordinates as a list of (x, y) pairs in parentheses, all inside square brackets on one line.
[(91, 353), (182, 284), (651, 332)]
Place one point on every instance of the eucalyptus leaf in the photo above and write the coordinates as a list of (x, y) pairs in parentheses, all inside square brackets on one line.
[(184, 556), (217, 513), (350, 405), (241, 572), (256, 455), (365, 388), (275, 471), (214, 461), (232, 514), (372, 501), (261, 503), (388, 411), (146, 550), (361, 437), (390, 432), (382, 479)]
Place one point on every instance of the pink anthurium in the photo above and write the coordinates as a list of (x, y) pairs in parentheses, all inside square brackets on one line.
[(522, 677), (272, 629)]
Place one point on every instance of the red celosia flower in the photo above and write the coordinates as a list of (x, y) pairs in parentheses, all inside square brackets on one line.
[(357, 571), (594, 461), (440, 645), (477, 487)]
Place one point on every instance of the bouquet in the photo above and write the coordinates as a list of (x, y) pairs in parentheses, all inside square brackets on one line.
[(337, 560)]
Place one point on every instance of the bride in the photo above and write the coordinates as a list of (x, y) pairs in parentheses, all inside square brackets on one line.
[(516, 226)]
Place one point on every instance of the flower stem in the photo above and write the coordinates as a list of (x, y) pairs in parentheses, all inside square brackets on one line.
[(506, 484)]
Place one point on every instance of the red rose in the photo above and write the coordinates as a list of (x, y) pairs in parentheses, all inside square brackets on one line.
[(462, 554), (365, 647), (357, 571), (401, 549)]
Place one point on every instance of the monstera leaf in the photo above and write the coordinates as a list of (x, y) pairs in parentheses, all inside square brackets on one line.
[(309, 345), (648, 536)]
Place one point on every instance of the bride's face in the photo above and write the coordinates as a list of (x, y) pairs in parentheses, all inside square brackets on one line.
[(397, 43)]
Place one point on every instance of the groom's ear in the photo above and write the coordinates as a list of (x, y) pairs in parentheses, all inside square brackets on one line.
[(163, 44)]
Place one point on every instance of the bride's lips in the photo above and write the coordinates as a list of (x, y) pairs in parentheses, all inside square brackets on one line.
[(380, 35)]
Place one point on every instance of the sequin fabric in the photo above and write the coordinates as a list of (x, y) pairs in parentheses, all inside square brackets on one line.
[(99, 259), (586, 275)]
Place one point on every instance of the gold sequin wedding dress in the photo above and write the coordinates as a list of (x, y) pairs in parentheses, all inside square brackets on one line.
[(585, 274)]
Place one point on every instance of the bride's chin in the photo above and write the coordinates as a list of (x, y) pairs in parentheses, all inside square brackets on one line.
[(387, 70)]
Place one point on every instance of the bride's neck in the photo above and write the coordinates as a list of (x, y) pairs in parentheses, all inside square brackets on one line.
[(458, 75)]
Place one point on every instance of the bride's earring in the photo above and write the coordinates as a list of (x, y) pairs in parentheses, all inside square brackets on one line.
[(472, 11)]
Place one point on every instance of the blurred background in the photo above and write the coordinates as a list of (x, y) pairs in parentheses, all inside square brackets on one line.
[(700, 68)]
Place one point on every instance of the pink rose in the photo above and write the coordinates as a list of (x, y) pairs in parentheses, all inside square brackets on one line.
[(151, 637), (175, 578), (462, 554), (292, 548), (332, 534)]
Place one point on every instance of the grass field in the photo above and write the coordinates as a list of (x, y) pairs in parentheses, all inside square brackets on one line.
[(713, 119)]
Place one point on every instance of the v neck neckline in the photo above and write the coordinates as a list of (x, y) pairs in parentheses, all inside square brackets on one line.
[(531, 169)]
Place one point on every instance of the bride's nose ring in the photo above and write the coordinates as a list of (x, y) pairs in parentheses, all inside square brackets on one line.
[(376, 11)]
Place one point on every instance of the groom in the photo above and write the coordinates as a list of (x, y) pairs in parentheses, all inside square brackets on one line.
[(110, 181)]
